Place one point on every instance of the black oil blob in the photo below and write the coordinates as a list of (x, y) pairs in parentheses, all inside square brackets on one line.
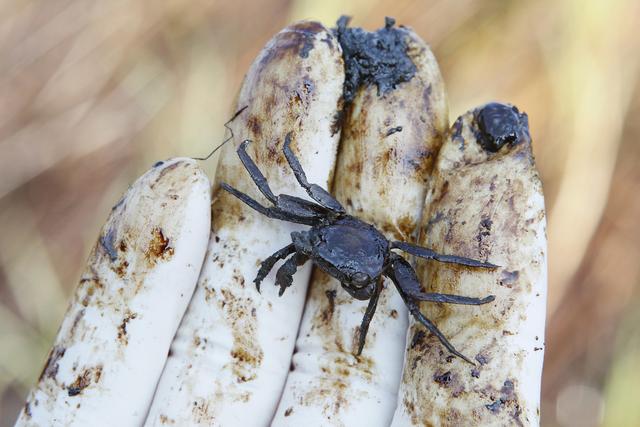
[(501, 124), (378, 57), (394, 130)]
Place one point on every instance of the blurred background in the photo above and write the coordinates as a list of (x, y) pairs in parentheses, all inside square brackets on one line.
[(93, 92)]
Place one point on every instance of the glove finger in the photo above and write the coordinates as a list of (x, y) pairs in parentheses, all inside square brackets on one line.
[(233, 349), (388, 145), (485, 202), (113, 342)]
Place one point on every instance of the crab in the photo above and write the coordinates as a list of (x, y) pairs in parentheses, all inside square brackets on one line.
[(354, 252)]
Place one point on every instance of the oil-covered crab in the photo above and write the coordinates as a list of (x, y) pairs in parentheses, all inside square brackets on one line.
[(345, 247)]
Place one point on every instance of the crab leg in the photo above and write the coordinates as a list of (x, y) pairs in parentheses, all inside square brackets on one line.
[(296, 212), (406, 280), (426, 253), (267, 264), (415, 312), (254, 172), (452, 299), (317, 193), (403, 276), (368, 315), (253, 204)]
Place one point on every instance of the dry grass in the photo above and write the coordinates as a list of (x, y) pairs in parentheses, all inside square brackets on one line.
[(91, 93)]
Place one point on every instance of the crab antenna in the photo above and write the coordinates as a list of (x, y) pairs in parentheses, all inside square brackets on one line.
[(226, 125)]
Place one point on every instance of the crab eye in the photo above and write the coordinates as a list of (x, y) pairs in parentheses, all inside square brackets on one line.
[(360, 279)]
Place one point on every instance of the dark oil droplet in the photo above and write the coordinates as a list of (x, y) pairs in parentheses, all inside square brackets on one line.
[(499, 124)]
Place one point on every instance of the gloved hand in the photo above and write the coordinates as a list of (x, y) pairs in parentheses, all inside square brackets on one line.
[(140, 346)]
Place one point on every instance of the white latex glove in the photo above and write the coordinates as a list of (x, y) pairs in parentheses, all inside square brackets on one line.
[(243, 358)]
